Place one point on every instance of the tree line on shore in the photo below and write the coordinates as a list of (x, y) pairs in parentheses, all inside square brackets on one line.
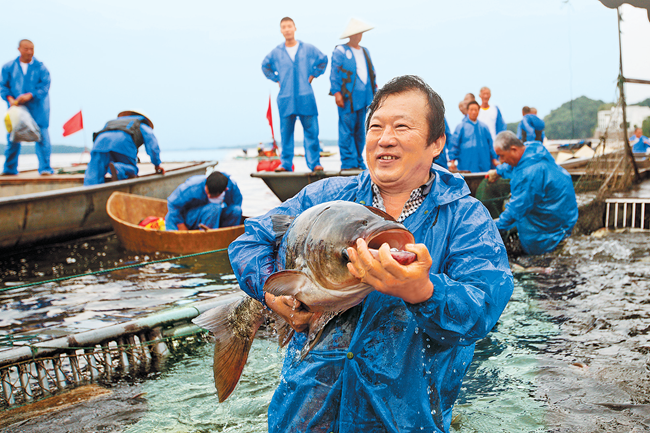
[(578, 119)]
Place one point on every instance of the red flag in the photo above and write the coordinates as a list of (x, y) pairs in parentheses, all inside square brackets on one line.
[(269, 116), (76, 123)]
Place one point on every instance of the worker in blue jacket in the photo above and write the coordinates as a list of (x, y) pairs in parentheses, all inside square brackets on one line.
[(640, 142), (531, 127), (293, 65), (353, 84), (471, 146), (396, 361), (441, 159), (26, 81), (212, 201), (115, 148), (543, 206)]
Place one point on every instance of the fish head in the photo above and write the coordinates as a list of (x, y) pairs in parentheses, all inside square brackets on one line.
[(318, 240)]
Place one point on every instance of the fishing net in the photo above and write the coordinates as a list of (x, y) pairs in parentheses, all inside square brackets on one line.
[(610, 169), (493, 195)]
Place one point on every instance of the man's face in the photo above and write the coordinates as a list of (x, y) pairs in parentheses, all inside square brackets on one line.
[(485, 95), (510, 156), (288, 30), (355, 39), (26, 50), (396, 142), (472, 112), (638, 133)]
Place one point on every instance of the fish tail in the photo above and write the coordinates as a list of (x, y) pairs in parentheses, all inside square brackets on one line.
[(234, 326)]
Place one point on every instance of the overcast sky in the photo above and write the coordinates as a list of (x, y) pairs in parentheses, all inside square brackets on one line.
[(194, 66)]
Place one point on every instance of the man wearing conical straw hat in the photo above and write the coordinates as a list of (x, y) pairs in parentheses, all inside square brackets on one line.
[(353, 84)]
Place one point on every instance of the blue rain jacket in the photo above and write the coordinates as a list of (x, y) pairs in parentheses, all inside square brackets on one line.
[(37, 82), (399, 366), (121, 142), (471, 145), (641, 145), (543, 206), (360, 94), (530, 123), (191, 194), (441, 159), (296, 94)]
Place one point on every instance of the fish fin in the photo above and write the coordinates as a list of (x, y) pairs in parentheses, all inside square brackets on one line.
[(287, 283), (284, 330), (316, 327), (381, 213), (234, 326), (281, 224)]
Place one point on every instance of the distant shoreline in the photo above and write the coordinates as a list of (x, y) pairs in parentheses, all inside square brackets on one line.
[(28, 149)]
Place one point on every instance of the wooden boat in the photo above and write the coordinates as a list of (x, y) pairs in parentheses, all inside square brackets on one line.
[(40, 209), (127, 210)]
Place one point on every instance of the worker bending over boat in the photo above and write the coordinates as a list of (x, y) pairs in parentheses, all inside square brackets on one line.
[(26, 81), (531, 127), (353, 84), (543, 205), (293, 65), (115, 148), (471, 145), (212, 201), (396, 361)]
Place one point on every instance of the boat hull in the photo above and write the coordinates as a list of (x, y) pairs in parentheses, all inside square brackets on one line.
[(127, 210), (68, 213), (287, 184)]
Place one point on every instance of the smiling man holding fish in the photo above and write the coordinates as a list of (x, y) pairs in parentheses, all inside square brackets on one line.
[(395, 361)]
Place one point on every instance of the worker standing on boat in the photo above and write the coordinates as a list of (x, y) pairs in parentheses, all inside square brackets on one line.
[(353, 84), (293, 65), (115, 148), (212, 201), (640, 142), (26, 81), (396, 361), (490, 114), (531, 127), (543, 205), (471, 145)]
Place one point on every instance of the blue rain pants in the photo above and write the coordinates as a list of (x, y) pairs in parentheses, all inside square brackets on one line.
[(312, 148)]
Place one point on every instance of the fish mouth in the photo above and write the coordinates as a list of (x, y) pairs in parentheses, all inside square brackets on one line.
[(395, 238)]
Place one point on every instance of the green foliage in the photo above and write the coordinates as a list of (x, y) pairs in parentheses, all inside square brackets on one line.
[(606, 106), (512, 126), (560, 124), (645, 103), (645, 126)]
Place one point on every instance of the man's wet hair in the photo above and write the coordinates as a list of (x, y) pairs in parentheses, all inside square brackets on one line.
[(286, 19), (473, 103), (216, 183), (505, 140), (24, 40), (406, 83), (526, 109)]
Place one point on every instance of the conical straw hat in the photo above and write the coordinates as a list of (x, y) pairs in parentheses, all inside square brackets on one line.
[(355, 26), (138, 112)]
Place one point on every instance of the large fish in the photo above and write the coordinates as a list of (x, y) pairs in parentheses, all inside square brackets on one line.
[(315, 273)]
